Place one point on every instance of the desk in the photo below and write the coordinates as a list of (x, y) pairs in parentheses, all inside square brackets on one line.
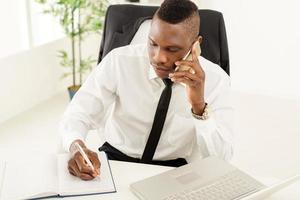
[(125, 173), (36, 130)]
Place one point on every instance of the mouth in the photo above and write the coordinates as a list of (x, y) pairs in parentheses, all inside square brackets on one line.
[(162, 69)]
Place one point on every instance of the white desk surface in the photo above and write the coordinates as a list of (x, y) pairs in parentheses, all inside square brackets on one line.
[(125, 173), (36, 131)]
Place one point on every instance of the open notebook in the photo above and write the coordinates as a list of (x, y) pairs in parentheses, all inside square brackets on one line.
[(47, 175)]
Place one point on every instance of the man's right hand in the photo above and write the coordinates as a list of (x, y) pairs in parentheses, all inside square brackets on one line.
[(77, 166)]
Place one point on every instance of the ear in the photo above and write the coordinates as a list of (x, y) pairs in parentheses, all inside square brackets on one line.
[(200, 39)]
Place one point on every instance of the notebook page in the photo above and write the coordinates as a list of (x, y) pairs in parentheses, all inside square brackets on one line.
[(34, 177), (71, 185)]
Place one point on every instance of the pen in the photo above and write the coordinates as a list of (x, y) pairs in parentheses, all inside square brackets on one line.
[(84, 156)]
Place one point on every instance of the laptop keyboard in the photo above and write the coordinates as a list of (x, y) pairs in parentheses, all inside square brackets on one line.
[(231, 186)]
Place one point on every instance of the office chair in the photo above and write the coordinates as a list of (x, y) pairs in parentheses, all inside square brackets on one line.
[(122, 22)]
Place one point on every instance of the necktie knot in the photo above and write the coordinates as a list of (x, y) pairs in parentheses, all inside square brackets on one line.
[(167, 82)]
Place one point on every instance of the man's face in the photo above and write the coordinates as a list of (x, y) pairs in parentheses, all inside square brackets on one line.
[(167, 43)]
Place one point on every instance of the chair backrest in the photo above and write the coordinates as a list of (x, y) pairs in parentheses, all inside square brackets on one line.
[(123, 20)]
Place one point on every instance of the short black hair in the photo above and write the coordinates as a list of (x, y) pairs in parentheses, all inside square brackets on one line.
[(176, 11), (180, 11)]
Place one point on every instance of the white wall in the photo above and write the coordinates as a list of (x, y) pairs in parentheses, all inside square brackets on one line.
[(32, 76), (264, 40)]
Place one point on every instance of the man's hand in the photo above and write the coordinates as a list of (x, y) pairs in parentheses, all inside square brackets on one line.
[(194, 82), (77, 166)]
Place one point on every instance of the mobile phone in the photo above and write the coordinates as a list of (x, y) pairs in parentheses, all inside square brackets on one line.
[(189, 57)]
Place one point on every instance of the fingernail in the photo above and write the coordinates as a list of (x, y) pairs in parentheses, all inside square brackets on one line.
[(177, 63), (171, 75)]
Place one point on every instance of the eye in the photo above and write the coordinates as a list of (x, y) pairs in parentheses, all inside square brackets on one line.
[(173, 50), (152, 43)]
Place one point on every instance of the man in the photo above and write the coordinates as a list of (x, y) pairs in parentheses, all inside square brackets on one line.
[(136, 81)]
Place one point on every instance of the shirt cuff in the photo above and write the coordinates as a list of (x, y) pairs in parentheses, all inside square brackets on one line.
[(71, 131), (68, 138), (205, 129)]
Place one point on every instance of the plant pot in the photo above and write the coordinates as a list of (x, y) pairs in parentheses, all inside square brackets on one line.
[(72, 90)]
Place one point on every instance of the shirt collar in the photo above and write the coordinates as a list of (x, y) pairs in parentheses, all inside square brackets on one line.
[(151, 73)]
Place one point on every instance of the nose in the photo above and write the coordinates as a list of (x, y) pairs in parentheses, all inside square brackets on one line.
[(160, 57)]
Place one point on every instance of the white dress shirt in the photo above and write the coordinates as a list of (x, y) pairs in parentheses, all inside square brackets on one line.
[(126, 81)]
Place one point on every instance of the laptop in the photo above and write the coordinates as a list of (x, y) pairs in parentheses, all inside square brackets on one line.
[(210, 178)]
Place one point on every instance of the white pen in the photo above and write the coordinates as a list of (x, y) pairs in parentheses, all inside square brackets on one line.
[(84, 156)]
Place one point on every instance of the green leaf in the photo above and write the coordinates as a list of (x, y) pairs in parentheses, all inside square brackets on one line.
[(41, 1), (65, 75)]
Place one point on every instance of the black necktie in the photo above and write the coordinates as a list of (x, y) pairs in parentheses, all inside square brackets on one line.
[(158, 122)]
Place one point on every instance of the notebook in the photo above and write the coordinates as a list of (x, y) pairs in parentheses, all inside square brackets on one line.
[(47, 175), (210, 178)]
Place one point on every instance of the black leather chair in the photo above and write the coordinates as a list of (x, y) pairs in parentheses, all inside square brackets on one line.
[(122, 22)]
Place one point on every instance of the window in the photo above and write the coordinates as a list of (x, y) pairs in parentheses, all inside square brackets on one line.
[(14, 33), (44, 27), (24, 25)]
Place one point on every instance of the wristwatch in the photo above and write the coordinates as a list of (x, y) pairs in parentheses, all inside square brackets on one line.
[(205, 115)]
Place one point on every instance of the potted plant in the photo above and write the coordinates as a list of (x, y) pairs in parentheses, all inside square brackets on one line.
[(79, 18)]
